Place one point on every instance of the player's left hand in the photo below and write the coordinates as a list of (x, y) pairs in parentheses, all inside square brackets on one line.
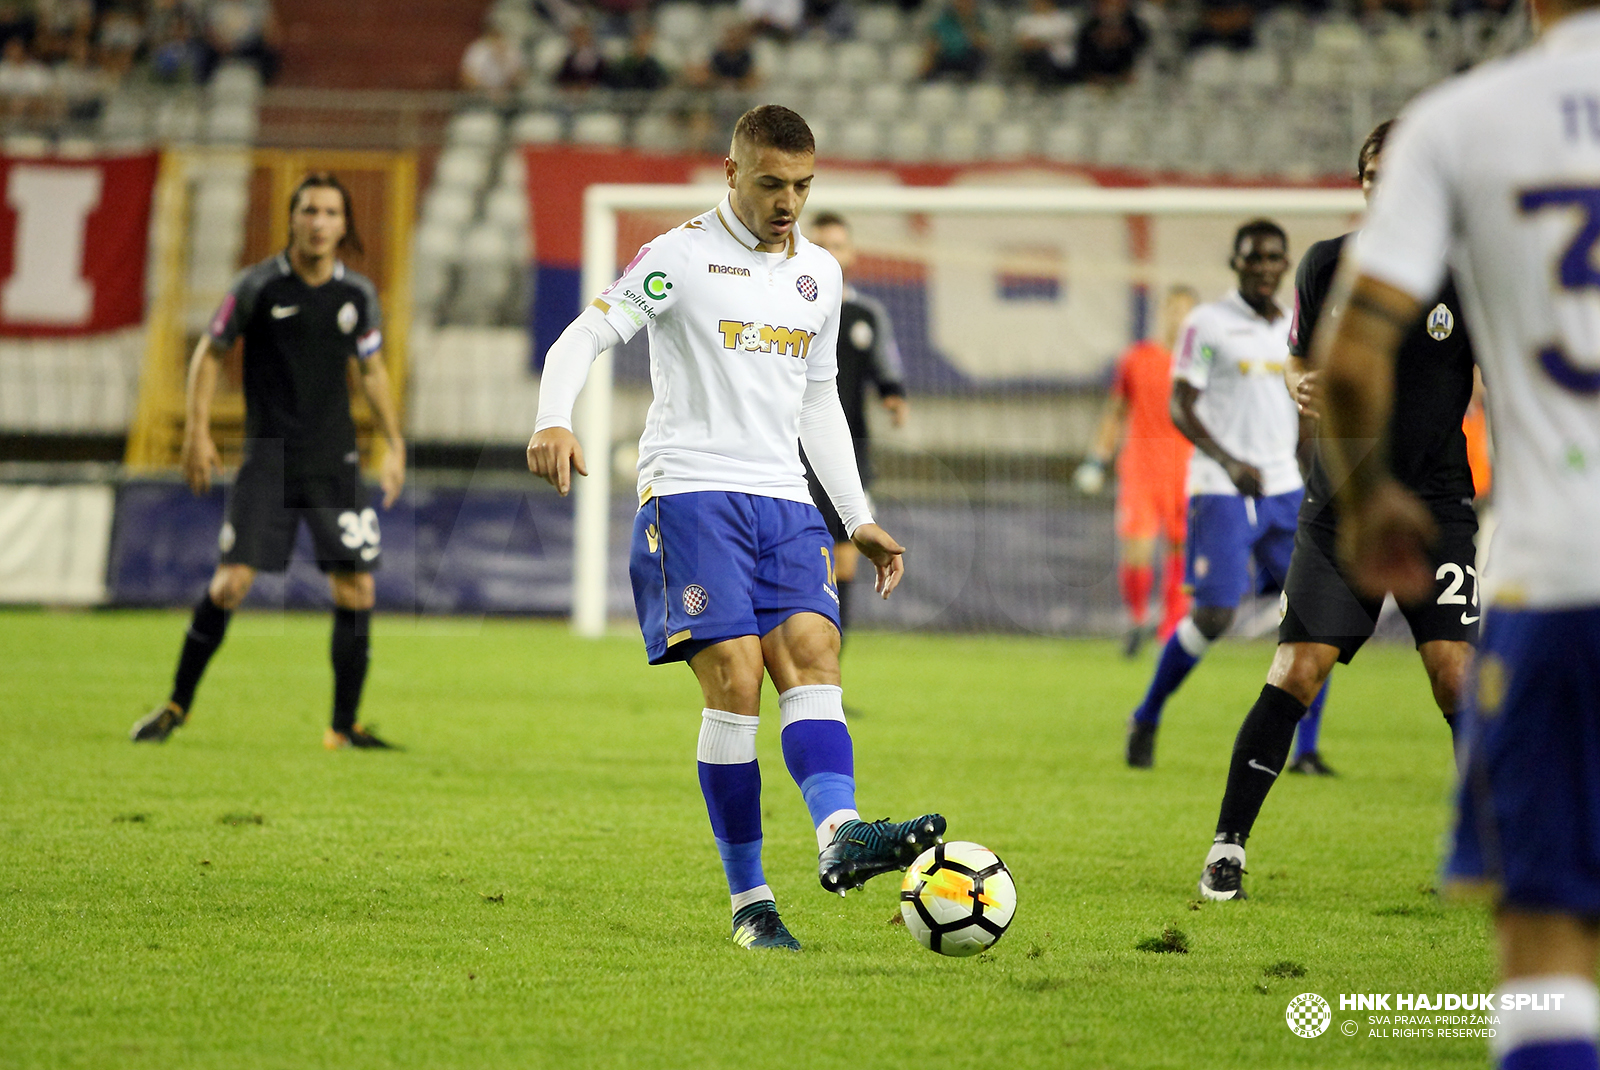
[(392, 473), (1384, 544), (884, 553), (1307, 397)]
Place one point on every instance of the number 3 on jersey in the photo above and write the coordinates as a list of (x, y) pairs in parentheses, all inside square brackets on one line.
[(1576, 271), (359, 531)]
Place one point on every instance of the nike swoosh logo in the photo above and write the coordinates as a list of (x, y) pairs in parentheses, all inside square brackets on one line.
[(1467, 620), (1257, 765), (283, 312)]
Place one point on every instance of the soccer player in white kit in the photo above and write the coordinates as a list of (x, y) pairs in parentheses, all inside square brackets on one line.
[(1497, 175), (1229, 399), (732, 566)]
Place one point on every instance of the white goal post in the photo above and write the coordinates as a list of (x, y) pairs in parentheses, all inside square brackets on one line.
[(603, 203)]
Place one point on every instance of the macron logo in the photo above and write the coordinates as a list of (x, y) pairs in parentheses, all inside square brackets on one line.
[(283, 312), (724, 269)]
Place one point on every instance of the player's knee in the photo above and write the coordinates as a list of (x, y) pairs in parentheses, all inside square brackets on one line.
[(1301, 669), (1447, 673), (230, 584), (353, 590), (1212, 620)]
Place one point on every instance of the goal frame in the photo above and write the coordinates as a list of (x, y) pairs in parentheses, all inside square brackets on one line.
[(601, 204)]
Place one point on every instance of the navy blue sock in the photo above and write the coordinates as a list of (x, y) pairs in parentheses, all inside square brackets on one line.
[(1181, 654), (350, 653), (1310, 727), (1259, 751), (1553, 1055), (730, 780), (206, 629)]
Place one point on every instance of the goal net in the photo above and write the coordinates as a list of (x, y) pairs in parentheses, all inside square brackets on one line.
[(1010, 306)]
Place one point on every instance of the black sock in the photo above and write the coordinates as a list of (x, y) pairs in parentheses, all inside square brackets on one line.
[(206, 629), (1259, 752), (844, 610), (350, 641)]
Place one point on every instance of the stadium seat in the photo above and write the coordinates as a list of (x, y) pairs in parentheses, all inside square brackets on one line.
[(536, 128), (447, 206), (910, 141), (478, 128), (905, 61), (883, 100), (1338, 39), (1013, 139), (681, 22), (658, 132), (126, 118), (1117, 144), (879, 23), (1068, 141), (548, 54), (513, 169), (438, 249), (834, 100), (178, 119), (1213, 70), (232, 123), (604, 129), (862, 139), (462, 168), (960, 141), (237, 83), (808, 61), (1259, 69), (935, 101), (487, 259), (858, 62)]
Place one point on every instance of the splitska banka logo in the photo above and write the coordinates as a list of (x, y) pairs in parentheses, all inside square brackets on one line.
[(765, 338)]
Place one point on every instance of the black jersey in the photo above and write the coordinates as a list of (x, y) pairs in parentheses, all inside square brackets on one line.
[(867, 355), (298, 340), (1432, 388)]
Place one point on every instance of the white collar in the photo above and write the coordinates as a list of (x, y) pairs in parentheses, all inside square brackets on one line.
[(1236, 299)]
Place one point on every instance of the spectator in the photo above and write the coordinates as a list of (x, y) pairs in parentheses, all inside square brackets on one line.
[(1047, 44), (60, 22), (958, 42), (1229, 23), (120, 38), (241, 30), (732, 65), (781, 18), (1110, 42), (492, 65), (80, 83), (25, 83), (584, 67), (639, 69), (16, 20), (176, 58)]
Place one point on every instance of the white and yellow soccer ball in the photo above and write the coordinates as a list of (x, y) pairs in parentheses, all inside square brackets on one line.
[(958, 898)]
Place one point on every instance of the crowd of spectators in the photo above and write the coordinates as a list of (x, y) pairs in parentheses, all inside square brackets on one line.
[(60, 59), (1048, 43)]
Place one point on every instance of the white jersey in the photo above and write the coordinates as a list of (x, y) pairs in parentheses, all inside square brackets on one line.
[(1497, 174), (1234, 356), (735, 333)]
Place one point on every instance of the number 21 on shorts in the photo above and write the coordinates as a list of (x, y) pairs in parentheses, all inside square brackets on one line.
[(1452, 596)]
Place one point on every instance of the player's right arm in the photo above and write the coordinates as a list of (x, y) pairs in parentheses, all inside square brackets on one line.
[(1310, 287), (199, 457), (645, 291), (1191, 371)]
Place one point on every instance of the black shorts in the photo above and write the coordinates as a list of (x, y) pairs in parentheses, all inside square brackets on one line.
[(265, 508), (1319, 606)]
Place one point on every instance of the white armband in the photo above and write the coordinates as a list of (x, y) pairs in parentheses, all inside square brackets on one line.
[(566, 366), (825, 435)]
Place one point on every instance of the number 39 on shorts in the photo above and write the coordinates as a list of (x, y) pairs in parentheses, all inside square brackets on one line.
[(359, 531)]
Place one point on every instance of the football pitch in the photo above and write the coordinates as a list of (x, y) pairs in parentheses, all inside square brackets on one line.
[(532, 883)]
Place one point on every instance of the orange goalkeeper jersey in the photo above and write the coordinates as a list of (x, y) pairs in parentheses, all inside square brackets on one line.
[(1152, 450)]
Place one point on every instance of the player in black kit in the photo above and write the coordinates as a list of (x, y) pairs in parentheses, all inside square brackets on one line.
[(304, 318), (1324, 620), (867, 356)]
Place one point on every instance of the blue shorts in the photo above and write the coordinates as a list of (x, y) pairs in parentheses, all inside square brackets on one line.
[(715, 565), (1225, 532), (1529, 809)]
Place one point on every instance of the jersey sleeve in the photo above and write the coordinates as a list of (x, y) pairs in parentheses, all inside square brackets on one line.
[(648, 287), (1196, 350), (369, 319), (231, 316), (1408, 233), (822, 355), (1308, 297), (1121, 376)]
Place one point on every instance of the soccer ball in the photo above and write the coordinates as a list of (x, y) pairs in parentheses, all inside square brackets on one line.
[(958, 898)]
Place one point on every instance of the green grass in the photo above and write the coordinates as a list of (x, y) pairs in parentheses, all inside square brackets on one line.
[(533, 884)]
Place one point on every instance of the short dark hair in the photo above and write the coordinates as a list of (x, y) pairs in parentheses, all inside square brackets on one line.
[(772, 126), (327, 180), (1259, 228), (829, 219), (1371, 147)]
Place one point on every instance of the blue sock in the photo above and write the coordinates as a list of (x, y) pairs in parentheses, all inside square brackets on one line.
[(730, 780), (1181, 654), (1310, 726), (819, 754), (1556, 1055)]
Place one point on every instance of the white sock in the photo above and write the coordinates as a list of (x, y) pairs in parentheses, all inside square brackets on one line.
[(726, 738), (1190, 637), (830, 825), (751, 895), (1225, 850), (811, 702), (1568, 1008)]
